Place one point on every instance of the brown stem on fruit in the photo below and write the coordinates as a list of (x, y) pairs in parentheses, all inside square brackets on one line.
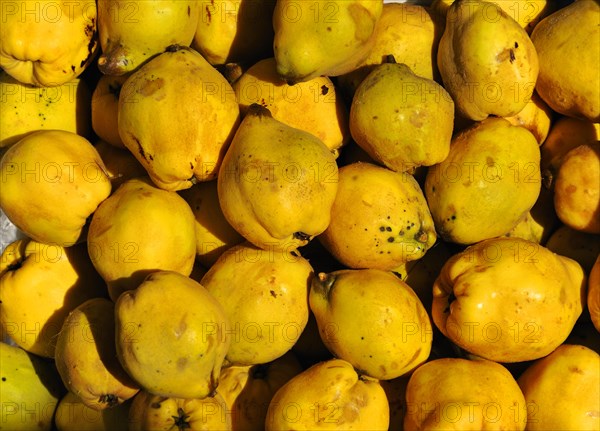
[(389, 59), (174, 48), (232, 71), (258, 110)]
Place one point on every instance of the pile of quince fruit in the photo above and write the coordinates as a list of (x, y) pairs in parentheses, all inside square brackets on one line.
[(300, 214)]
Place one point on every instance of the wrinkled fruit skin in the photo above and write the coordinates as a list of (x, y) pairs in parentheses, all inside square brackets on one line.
[(178, 358), (177, 115), (508, 299), (336, 397), (52, 181), (456, 393), (576, 370), (277, 183)]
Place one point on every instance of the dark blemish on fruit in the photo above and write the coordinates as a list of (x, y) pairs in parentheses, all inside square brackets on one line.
[(389, 229), (390, 239), (189, 11), (516, 45), (110, 400), (208, 14), (273, 294), (139, 145), (375, 117), (381, 228), (328, 28), (324, 90), (512, 56)]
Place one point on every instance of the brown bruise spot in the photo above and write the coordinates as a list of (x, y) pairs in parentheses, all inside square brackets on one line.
[(575, 369), (181, 363), (151, 86)]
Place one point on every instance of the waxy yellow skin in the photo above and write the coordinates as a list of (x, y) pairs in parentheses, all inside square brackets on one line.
[(372, 319), (173, 357), (379, 219), (177, 115), (40, 284), (48, 42), (322, 37), (141, 228), (131, 33), (406, 31), (86, 359), (573, 28), (463, 394), (401, 119), (577, 188), (313, 105), (52, 181), (264, 294), (150, 412), (329, 395), (277, 183), (105, 107), (487, 184), (235, 31), (31, 390), (25, 108), (508, 299), (526, 12), (486, 60), (214, 235), (536, 116), (248, 389), (575, 369)]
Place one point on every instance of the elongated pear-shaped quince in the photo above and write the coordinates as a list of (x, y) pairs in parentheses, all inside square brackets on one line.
[(277, 183)]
